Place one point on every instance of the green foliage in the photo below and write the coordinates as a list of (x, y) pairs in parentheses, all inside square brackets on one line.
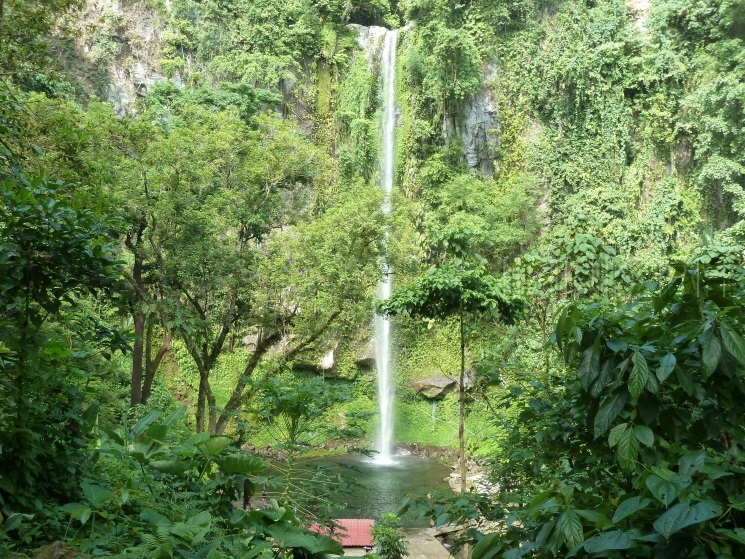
[(53, 252), (172, 499), (241, 96), (24, 34), (296, 418), (499, 217), (388, 539), (462, 283), (653, 458), (621, 131), (579, 265)]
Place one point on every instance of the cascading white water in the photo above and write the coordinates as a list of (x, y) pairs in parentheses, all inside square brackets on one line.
[(382, 325)]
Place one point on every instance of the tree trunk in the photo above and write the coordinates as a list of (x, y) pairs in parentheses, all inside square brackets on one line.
[(201, 401), (461, 424), (135, 397), (212, 409), (237, 398), (133, 244), (151, 365)]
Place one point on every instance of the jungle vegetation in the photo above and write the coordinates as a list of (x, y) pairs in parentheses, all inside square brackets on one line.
[(173, 268)]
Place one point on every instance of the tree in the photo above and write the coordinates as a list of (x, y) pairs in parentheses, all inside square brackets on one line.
[(24, 30), (459, 286), (52, 252), (313, 280)]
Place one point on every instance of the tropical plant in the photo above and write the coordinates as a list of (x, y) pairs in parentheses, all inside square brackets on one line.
[(388, 539), (295, 416), (52, 252), (658, 415)]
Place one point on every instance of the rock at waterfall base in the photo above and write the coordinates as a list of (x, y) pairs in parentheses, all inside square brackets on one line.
[(367, 358), (433, 387)]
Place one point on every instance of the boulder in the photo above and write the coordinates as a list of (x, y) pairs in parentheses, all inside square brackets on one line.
[(250, 341), (58, 550), (328, 361), (324, 364), (433, 387), (367, 358)]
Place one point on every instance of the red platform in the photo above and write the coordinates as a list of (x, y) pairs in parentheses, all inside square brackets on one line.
[(358, 531)]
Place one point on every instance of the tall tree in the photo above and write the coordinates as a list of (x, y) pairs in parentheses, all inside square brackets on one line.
[(460, 285)]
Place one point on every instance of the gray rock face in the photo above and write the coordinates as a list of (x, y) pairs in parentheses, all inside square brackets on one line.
[(477, 125), (371, 41), (639, 12), (367, 358), (433, 387)]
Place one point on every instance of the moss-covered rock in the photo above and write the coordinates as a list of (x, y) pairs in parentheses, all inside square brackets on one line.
[(58, 550), (433, 387)]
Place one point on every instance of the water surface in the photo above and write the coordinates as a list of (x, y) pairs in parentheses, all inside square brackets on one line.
[(382, 488)]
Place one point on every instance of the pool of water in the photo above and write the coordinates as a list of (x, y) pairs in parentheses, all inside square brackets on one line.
[(382, 487)]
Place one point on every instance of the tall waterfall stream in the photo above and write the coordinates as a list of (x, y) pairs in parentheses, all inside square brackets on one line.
[(382, 324)]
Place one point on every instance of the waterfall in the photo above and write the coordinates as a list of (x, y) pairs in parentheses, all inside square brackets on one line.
[(382, 324)]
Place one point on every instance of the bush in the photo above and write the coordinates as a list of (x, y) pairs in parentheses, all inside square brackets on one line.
[(388, 539)]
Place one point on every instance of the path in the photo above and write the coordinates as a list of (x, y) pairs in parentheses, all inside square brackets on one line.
[(424, 546)]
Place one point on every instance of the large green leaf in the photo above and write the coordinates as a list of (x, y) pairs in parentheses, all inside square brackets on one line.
[(639, 375), (644, 435), (608, 411), (711, 354), (615, 434), (628, 450), (589, 367), (598, 518), (685, 514), (241, 464), (667, 364), (570, 527), (214, 445), (664, 491), (733, 342), (95, 494), (189, 446), (486, 543), (606, 372), (289, 536), (256, 549), (666, 295), (738, 534), (145, 449), (15, 519), (142, 425), (690, 463), (175, 416), (605, 541), (629, 507), (157, 432), (519, 552), (174, 467), (78, 510)]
